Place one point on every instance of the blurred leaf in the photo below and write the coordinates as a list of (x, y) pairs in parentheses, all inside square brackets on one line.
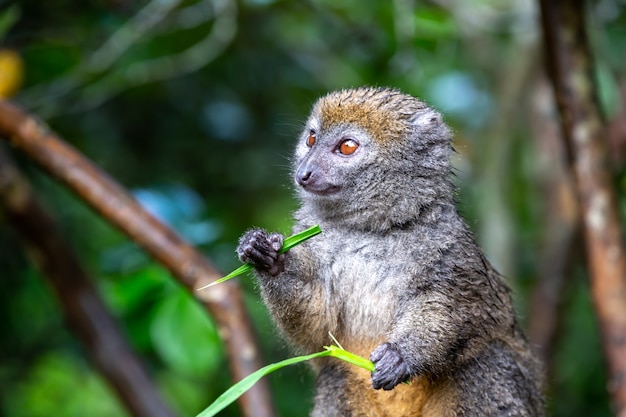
[(434, 24), (184, 336), (58, 385), (11, 72), (131, 292), (8, 18), (185, 394)]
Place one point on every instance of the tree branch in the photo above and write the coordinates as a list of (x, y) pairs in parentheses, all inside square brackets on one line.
[(224, 302), (81, 303), (569, 65)]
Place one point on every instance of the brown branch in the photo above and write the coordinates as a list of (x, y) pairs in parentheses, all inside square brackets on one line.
[(83, 308), (569, 65), (224, 302)]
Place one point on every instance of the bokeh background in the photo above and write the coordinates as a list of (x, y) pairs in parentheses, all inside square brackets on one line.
[(194, 105)]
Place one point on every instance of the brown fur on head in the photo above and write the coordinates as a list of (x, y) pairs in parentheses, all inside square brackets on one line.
[(384, 113)]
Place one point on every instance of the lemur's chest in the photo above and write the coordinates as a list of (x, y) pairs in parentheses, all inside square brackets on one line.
[(363, 288)]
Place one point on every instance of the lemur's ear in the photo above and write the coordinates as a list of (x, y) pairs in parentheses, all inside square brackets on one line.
[(426, 119)]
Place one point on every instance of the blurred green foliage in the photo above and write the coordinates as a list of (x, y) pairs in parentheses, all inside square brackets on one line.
[(194, 105)]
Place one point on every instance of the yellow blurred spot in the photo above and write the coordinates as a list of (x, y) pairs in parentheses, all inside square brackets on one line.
[(11, 72)]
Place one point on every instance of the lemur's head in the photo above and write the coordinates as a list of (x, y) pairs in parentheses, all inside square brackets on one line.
[(373, 154)]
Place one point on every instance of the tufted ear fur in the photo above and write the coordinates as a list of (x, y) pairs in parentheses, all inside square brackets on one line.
[(426, 120)]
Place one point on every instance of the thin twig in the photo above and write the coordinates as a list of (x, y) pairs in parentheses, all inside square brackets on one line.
[(84, 310), (114, 203), (570, 65)]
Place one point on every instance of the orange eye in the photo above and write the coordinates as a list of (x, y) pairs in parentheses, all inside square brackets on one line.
[(348, 147), (310, 141)]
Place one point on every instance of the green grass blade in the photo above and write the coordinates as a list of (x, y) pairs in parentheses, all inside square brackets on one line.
[(298, 238), (350, 357), (234, 392), (288, 243), (241, 270)]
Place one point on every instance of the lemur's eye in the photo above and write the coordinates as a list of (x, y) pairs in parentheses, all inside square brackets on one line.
[(310, 141), (348, 147)]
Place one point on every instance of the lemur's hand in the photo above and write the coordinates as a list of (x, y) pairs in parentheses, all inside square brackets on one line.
[(390, 367), (260, 248)]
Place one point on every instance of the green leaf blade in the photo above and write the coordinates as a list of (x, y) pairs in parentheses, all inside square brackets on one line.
[(298, 238), (234, 392), (350, 357)]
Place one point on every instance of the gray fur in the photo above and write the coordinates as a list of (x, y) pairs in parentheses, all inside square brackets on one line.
[(395, 269)]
